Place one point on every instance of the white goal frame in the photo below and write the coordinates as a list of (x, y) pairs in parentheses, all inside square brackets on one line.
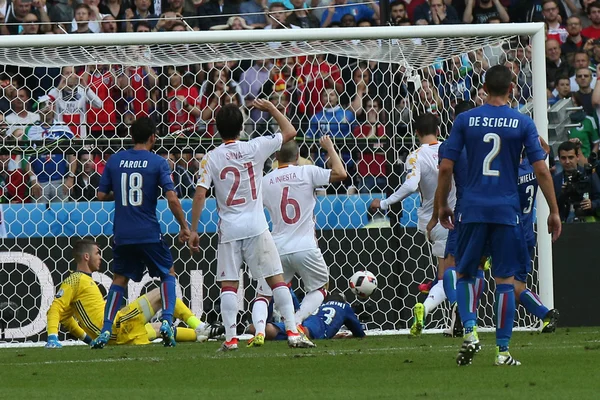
[(10, 45)]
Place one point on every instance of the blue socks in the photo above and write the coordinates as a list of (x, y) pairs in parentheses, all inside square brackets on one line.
[(533, 304), (479, 284), (114, 298), (450, 284), (505, 314), (467, 302), (167, 293)]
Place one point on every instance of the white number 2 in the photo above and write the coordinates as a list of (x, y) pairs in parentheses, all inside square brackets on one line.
[(329, 314), (487, 161), (530, 191), (131, 189)]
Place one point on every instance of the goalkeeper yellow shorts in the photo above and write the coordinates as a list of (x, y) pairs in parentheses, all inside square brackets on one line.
[(130, 322)]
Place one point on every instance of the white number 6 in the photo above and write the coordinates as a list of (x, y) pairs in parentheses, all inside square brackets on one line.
[(487, 161)]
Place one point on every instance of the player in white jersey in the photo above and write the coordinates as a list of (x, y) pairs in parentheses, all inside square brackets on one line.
[(235, 169), (289, 196), (423, 176)]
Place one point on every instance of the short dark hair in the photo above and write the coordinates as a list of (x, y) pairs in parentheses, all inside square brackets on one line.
[(426, 124), (568, 146), (142, 129), (550, 1), (81, 247), (277, 4), (288, 152), (463, 106), (141, 23), (82, 5), (595, 4), (230, 121), (561, 78), (335, 296), (498, 80)]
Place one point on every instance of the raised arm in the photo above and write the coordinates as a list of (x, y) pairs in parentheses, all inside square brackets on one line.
[(338, 172), (285, 126)]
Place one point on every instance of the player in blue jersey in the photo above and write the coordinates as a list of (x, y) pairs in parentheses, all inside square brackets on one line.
[(527, 193), (325, 323), (493, 136), (136, 177)]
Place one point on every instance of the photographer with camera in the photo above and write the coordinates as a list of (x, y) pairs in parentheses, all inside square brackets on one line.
[(577, 188)]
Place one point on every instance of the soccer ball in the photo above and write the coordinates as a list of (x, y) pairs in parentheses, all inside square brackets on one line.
[(363, 284)]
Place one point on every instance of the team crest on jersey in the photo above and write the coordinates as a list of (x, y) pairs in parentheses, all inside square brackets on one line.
[(137, 78), (60, 293)]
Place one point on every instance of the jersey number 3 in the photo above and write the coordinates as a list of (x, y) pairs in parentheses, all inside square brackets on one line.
[(131, 189), (237, 177), (487, 161)]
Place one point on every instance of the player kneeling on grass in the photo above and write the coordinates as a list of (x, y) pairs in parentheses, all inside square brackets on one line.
[(289, 196), (331, 316), (79, 307)]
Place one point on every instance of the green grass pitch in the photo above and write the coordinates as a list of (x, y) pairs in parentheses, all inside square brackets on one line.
[(564, 365)]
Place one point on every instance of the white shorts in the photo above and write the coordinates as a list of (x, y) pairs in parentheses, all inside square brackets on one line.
[(309, 265), (437, 240), (258, 252)]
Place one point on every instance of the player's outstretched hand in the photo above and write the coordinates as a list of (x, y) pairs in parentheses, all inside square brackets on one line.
[(430, 225), (194, 242), (375, 204), (184, 235), (53, 342), (554, 226), (326, 143), (446, 216), (263, 105)]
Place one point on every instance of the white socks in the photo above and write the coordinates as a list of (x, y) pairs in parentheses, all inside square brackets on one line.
[(285, 305), (309, 304), (260, 312), (435, 298), (229, 311)]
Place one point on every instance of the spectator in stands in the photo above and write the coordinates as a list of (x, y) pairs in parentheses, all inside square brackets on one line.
[(586, 133), (183, 180), (436, 12), (30, 25), (141, 12), (301, 17), (176, 9), (481, 11), (371, 164), (348, 21), (575, 40), (136, 84), (51, 175), (13, 188), (251, 83), (94, 17), (411, 6), (398, 12), (61, 13), (455, 81), (339, 8), (532, 11), (82, 18), (428, 100), (216, 12), (253, 13), (593, 31), (18, 10), (116, 9), (87, 180), (572, 202), (583, 97), (108, 25), (19, 116), (582, 60), (103, 120), (71, 98), (554, 29), (563, 90), (233, 24), (480, 96), (277, 19), (318, 75), (520, 80), (555, 63), (182, 102)]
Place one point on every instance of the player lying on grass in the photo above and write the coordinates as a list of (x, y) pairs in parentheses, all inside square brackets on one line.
[(423, 177), (79, 306), (331, 316), (289, 196)]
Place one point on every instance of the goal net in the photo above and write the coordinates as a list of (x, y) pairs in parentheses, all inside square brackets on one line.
[(67, 103)]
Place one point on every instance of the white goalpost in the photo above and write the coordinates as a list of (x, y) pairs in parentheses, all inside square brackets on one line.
[(181, 78)]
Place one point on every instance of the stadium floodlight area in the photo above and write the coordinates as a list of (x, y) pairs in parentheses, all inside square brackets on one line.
[(379, 77)]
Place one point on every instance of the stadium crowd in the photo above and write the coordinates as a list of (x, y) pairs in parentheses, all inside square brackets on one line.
[(341, 97)]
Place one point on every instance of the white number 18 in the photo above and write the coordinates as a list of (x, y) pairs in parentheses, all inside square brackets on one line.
[(487, 161), (131, 189)]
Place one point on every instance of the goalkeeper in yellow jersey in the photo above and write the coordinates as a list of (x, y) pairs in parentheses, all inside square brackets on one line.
[(79, 307)]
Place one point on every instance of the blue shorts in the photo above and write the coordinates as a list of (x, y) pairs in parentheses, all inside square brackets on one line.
[(506, 245), (451, 241), (281, 335), (525, 268), (132, 260)]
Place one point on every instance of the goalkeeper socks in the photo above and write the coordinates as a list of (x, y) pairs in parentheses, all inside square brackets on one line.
[(309, 304), (533, 304), (167, 293), (260, 312), (479, 284), (229, 311), (185, 334), (193, 322), (450, 284), (114, 298), (183, 313), (467, 302), (435, 298), (283, 301), (505, 314)]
